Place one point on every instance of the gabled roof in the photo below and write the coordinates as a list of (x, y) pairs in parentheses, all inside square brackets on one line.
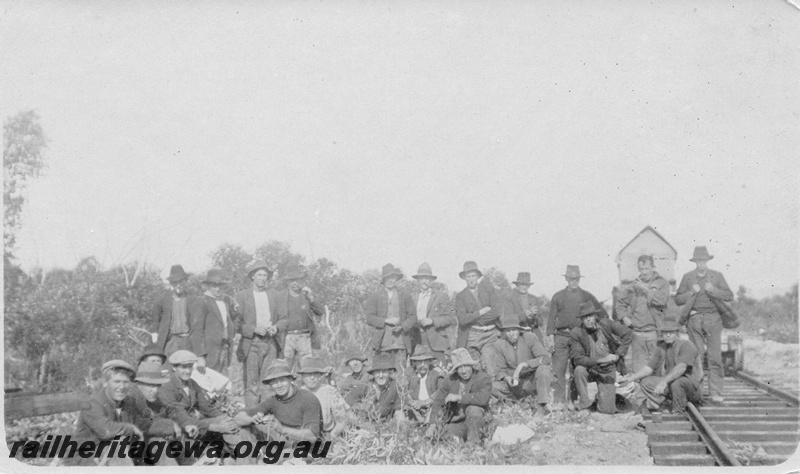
[(642, 232)]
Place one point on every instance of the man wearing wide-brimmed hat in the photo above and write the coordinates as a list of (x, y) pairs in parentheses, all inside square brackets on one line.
[(301, 308), (213, 324), (380, 399), (334, 407), (478, 308), (290, 414), (358, 376), (462, 400), (148, 379), (598, 348), (263, 329), (422, 383), (523, 365), (171, 314), (393, 316), (525, 305), (435, 314), (697, 293), (565, 308), (679, 361)]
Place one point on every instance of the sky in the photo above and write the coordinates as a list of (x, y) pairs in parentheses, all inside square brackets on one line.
[(523, 135)]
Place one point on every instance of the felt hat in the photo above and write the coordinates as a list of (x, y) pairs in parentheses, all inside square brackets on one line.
[(278, 369), (470, 266), (424, 270), (214, 277), (588, 309), (509, 321), (153, 349), (700, 253), (573, 271), (354, 356), (523, 278), (150, 372), (182, 357), (389, 270), (312, 365), (461, 357), (295, 274), (258, 265), (422, 352), (382, 362), (670, 325), (177, 274), (118, 364)]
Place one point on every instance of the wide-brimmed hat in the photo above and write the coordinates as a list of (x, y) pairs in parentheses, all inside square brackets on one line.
[(588, 309), (573, 271), (422, 352), (153, 349), (700, 253), (278, 369), (523, 278), (214, 277), (670, 326), (389, 270), (258, 265), (150, 372), (470, 266), (424, 270), (295, 274), (182, 357), (312, 365), (118, 364), (382, 362), (461, 357), (354, 355), (509, 321), (177, 274)]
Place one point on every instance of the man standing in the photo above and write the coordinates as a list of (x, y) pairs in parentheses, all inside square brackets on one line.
[(212, 325), (434, 312), (523, 366), (462, 400), (525, 305), (171, 313), (643, 307), (565, 308), (301, 331), (478, 310), (392, 314), (697, 292), (263, 325), (596, 347), (681, 383)]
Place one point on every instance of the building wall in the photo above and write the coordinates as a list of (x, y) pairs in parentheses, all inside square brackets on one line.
[(650, 244)]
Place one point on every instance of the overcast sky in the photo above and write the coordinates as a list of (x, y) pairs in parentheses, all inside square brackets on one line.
[(522, 135)]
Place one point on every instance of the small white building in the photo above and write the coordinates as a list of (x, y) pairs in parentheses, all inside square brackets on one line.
[(647, 242)]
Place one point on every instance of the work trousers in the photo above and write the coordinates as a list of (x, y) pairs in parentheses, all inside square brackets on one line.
[(263, 352), (534, 382), (560, 365), (705, 332), (468, 429), (643, 346), (606, 390), (480, 345), (681, 390), (296, 347)]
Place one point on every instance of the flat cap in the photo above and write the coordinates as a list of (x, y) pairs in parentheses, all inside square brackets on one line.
[(182, 357), (118, 364)]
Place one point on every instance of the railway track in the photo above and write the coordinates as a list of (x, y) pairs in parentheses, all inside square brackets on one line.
[(756, 425)]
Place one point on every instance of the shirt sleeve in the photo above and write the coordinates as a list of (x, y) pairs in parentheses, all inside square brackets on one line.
[(312, 414), (656, 359), (262, 407), (686, 354)]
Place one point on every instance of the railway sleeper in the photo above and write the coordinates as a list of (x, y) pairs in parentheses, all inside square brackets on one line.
[(762, 425)]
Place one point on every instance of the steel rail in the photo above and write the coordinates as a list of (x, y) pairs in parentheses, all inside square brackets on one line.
[(785, 396), (715, 444)]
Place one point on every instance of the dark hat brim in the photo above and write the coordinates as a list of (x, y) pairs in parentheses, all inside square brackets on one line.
[(422, 357), (177, 278), (701, 259), (152, 379), (463, 274), (381, 367), (278, 375), (418, 276), (394, 273), (359, 358), (522, 283), (512, 326)]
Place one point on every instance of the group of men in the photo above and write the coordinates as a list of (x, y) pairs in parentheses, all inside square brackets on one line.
[(480, 348)]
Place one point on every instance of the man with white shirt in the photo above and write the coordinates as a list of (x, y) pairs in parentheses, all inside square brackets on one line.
[(434, 314), (263, 327), (422, 384), (213, 327)]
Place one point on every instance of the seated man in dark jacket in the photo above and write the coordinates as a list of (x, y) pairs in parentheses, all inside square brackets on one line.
[(422, 383), (358, 376), (148, 379), (462, 400), (380, 399), (596, 347)]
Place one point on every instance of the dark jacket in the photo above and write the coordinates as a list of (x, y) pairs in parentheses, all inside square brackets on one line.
[(377, 310), (162, 315), (529, 349), (208, 335), (310, 309), (366, 399), (187, 409), (246, 303), (477, 391), (468, 310), (100, 422), (440, 310), (656, 298), (563, 317), (349, 383), (431, 384), (618, 336), (685, 294)]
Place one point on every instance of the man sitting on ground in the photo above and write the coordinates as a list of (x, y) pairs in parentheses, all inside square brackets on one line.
[(358, 376), (334, 408), (380, 399), (148, 379), (422, 384), (462, 400)]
